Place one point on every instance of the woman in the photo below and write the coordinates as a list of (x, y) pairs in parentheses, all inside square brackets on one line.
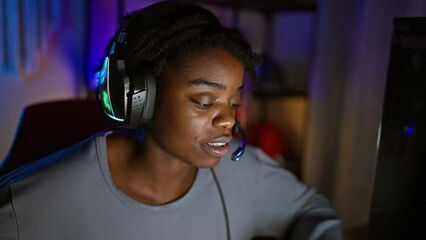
[(174, 74)]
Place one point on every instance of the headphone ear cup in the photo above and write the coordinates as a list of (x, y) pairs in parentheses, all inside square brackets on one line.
[(126, 87), (140, 107), (141, 96), (126, 92), (151, 90), (110, 90)]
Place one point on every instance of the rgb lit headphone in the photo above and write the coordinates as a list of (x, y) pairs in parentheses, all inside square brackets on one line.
[(126, 88)]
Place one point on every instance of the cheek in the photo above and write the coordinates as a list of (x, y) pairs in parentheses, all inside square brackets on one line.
[(180, 122), (174, 121), (191, 123)]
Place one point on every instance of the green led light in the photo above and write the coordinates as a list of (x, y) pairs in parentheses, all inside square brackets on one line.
[(107, 106)]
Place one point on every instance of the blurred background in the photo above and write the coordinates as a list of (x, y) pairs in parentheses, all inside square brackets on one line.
[(316, 109)]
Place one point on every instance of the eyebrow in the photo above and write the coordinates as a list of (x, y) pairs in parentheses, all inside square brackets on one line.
[(202, 82)]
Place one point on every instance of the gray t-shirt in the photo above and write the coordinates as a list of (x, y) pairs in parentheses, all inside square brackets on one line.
[(71, 195)]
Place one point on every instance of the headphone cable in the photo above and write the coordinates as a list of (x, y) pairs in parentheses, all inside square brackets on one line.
[(222, 199)]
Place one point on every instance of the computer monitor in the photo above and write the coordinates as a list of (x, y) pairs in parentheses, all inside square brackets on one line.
[(398, 209)]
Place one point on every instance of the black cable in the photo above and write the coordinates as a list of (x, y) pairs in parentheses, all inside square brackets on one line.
[(222, 199)]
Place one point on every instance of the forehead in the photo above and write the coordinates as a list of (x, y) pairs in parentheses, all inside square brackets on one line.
[(216, 65)]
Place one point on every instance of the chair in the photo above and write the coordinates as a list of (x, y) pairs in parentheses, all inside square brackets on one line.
[(50, 126)]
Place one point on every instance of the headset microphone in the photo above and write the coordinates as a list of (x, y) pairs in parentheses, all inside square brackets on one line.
[(236, 155)]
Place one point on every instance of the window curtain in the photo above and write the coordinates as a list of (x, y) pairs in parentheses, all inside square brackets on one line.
[(25, 26)]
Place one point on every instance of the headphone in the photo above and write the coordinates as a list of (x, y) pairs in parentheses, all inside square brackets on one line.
[(126, 88)]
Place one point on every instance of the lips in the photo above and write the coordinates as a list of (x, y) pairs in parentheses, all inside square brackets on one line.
[(218, 147)]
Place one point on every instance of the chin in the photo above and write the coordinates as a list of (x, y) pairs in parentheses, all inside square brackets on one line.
[(208, 163)]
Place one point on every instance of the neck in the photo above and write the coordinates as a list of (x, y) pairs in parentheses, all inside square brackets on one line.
[(150, 176)]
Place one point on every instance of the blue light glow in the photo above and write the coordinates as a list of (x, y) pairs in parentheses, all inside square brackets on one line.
[(114, 118), (409, 131), (103, 74)]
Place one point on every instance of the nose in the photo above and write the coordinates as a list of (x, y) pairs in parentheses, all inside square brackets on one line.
[(225, 119)]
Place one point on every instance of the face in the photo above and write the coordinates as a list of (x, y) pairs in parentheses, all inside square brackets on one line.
[(193, 124)]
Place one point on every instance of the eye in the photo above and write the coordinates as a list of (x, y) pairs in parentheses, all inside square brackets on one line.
[(202, 105), (236, 102), (235, 105)]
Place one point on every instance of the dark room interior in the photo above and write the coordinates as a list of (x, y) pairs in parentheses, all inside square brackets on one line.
[(340, 100)]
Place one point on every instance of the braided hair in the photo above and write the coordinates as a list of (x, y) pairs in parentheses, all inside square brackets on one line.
[(167, 34)]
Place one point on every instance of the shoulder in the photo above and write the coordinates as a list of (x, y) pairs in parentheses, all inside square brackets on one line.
[(29, 185), (256, 174), (8, 226), (259, 177), (263, 190), (254, 163), (50, 165)]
